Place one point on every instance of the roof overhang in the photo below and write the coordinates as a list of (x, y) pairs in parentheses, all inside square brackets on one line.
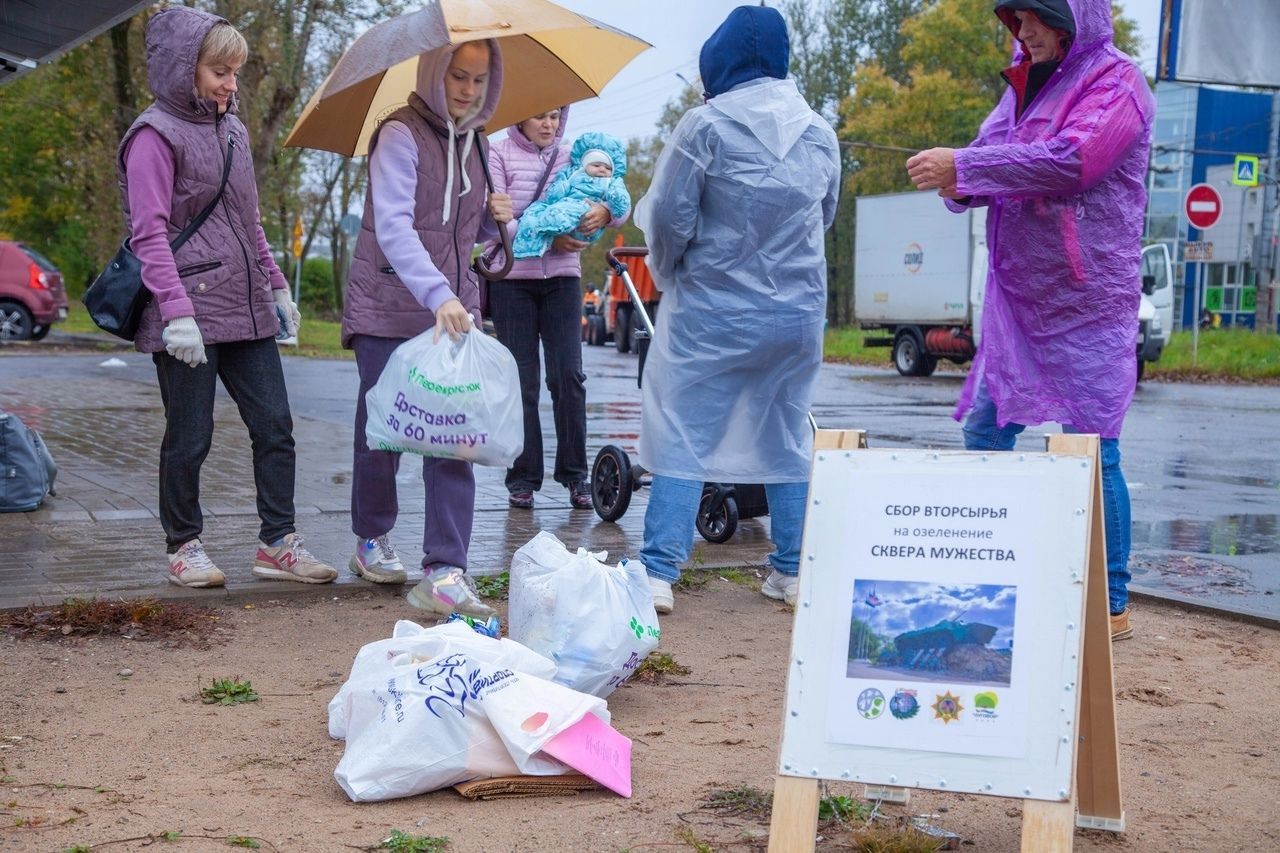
[(36, 32)]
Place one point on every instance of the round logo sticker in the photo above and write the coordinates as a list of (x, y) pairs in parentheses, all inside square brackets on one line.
[(904, 705), (870, 703)]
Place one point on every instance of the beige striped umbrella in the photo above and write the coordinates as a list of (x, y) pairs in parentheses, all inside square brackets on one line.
[(550, 57)]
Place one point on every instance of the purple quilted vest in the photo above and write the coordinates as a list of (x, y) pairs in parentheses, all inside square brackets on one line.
[(377, 302), (218, 265)]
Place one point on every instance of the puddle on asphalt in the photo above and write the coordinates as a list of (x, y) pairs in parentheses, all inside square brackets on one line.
[(1180, 469), (1191, 575), (1229, 535)]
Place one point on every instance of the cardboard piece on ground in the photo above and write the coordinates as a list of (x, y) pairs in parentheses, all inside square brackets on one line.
[(514, 787), (595, 748)]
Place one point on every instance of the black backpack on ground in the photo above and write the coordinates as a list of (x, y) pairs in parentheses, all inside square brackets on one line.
[(27, 470)]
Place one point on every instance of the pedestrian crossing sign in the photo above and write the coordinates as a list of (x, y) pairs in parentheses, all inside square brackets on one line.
[(1245, 173)]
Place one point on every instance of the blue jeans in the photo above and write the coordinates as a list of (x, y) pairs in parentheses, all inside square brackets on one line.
[(673, 510), (982, 432)]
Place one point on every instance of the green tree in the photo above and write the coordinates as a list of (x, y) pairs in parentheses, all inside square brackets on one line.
[(953, 52), (57, 167), (63, 124), (828, 40)]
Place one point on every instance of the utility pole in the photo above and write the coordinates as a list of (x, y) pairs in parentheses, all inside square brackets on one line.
[(1270, 254)]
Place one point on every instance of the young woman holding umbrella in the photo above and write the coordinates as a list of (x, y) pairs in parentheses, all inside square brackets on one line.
[(424, 210)]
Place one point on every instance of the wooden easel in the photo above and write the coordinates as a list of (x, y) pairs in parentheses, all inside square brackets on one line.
[(1047, 827)]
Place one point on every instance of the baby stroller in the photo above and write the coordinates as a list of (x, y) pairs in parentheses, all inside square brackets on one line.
[(614, 479)]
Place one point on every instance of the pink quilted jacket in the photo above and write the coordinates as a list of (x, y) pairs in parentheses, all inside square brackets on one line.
[(517, 165)]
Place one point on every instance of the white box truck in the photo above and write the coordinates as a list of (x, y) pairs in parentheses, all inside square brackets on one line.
[(920, 272)]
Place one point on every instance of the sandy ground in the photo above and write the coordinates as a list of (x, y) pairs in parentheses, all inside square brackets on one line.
[(93, 757)]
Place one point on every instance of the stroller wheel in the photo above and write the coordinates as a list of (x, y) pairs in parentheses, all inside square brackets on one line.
[(717, 525), (611, 483)]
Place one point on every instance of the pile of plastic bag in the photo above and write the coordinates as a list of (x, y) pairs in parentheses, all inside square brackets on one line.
[(432, 707)]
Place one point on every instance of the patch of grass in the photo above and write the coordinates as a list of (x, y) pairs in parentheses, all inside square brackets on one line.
[(1233, 355), (842, 809), (696, 577), (135, 618), (402, 842), (79, 848), (657, 666), (742, 577), (692, 578), (688, 836), (879, 838), (169, 835), (493, 586), (243, 841), (847, 345), (228, 691), (742, 801), (1223, 355), (319, 339)]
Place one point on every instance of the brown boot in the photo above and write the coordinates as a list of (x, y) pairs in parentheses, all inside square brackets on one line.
[(1120, 627)]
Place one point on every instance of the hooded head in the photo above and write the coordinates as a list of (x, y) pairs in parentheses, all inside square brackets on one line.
[(1081, 23), (432, 68), (517, 131), (751, 43), (596, 143), (174, 37)]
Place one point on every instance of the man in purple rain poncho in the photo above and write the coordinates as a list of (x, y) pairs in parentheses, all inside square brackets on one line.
[(1060, 162)]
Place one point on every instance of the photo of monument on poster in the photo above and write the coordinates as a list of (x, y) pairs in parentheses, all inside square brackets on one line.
[(932, 632)]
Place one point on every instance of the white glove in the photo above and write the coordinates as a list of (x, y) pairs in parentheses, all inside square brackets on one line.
[(292, 316), (183, 341)]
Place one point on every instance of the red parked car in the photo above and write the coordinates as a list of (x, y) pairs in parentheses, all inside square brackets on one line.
[(32, 297)]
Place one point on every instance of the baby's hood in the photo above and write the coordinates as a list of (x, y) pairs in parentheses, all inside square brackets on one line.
[(610, 145)]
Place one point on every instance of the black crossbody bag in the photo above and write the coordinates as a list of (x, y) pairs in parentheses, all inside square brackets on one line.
[(117, 297)]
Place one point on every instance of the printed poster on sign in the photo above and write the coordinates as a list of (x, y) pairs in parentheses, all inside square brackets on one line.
[(929, 654)]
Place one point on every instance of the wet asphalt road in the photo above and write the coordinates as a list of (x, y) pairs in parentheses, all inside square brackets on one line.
[(1202, 461)]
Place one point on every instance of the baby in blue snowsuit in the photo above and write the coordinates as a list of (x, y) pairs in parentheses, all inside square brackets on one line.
[(597, 163)]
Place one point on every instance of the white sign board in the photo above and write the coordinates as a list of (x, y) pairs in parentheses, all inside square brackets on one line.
[(939, 627)]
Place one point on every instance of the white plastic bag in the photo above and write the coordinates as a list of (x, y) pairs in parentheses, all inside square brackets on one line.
[(595, 621), (411, 643), (414, 725), (456, 400)]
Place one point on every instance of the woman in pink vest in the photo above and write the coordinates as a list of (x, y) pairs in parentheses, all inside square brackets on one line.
[(541, 301), (214, 315), (424, 211)]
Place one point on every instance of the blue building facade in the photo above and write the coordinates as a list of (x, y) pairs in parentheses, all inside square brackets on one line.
[(1198, 132)]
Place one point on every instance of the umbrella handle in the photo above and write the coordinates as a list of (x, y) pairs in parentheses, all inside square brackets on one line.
[(503, 237)]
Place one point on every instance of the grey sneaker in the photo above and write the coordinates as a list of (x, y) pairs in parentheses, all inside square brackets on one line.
[(377, 562), (446, 590), (191, 566), (781, 587), (290, 561)]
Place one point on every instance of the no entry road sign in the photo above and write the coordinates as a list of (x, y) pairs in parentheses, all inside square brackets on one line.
[(1203, 206)]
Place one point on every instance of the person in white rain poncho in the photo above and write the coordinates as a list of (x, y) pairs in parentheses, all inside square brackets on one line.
[(734, 221)]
